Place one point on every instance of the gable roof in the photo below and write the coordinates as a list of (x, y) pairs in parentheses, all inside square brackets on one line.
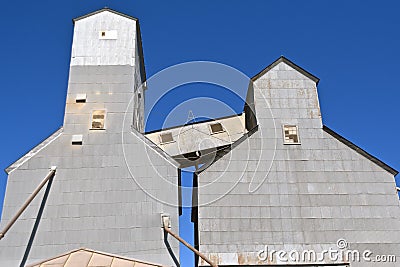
[(102, 10), (325, 128), (360, 151), (84, 257), (291, 64), (139, 39)]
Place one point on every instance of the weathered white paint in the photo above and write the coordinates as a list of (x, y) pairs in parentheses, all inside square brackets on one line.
[(90, 48), (314, 193), (95, 181), (108, 35)]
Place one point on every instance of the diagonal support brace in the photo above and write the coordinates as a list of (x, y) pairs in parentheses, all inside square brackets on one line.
[(167, 224), (27, 202)]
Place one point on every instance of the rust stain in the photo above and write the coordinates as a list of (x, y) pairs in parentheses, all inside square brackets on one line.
[(241, 259), (214, 258), (252, 259), (316, 104), (268, 85)]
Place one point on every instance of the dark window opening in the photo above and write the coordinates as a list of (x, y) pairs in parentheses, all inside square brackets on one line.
[(77, 143), (216, 128), (166, 138), (77, 140), (192, 156)]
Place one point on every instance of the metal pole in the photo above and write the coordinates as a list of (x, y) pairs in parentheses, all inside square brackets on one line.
[(27, 202), (189, 246)]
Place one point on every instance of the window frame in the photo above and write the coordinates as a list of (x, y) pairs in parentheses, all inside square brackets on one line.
[(285, 142), (214, 123), (104, 120), (169, 142)]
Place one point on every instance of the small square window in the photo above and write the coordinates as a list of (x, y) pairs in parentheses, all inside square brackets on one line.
[(103, 34), (216, 128), (291, 134), (166, 138), (98, 119)]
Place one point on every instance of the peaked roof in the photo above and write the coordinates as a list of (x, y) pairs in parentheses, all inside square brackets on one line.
[(89, 258), (138, 32), (325, 128), (291, 64), (102, 10)]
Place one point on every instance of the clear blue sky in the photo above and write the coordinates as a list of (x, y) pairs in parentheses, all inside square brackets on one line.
[(352, 46)]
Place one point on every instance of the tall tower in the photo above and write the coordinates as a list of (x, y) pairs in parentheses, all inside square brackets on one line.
[(97, 198), (106, 71)]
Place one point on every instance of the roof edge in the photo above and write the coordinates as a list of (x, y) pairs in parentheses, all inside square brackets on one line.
[(360, 151), (291, 64), (28, 155), (102, 10)]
